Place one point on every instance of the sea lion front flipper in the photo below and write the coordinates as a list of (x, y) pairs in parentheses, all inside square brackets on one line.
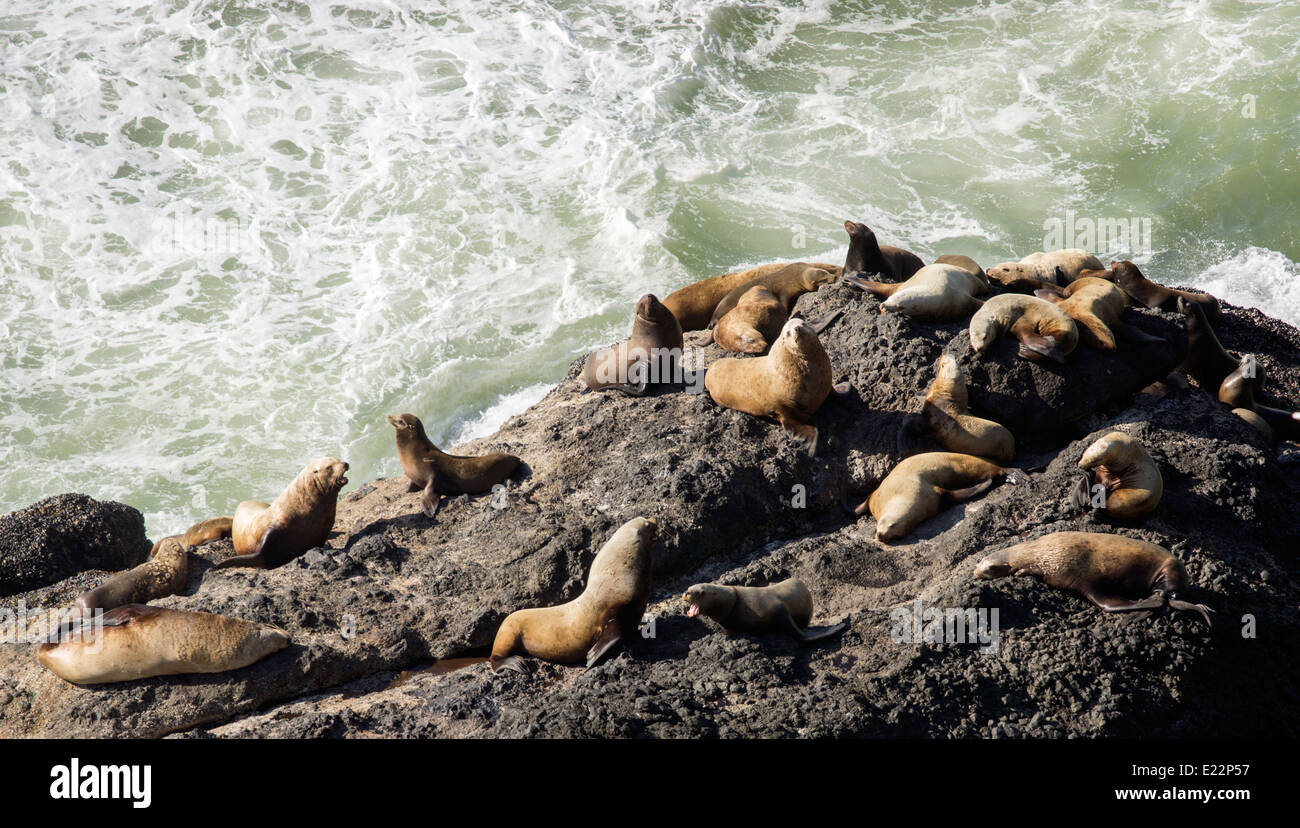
[(842, 389), (415, 487), (516, 663), (805, 433), (1049, 295), (960, 495), (125, 614), (878, 288), (272, 546), (1034, 348), (1187, 606), (611, 635), (430, 497), (823, 322), (1081, 494)]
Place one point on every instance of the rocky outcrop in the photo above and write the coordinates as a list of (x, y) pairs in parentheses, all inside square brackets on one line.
[(739, 503), (64, 535)]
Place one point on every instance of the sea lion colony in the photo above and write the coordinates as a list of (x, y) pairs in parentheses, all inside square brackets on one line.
[(785, 376)]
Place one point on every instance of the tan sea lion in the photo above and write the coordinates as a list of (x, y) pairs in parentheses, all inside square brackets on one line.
[(139, 641), (651, 356), (434, 473), (1095, 305), (692, 306), (166, 572), (788, 283), (590, 626), (1116, 573), (945, 416), (920, 486), (965, 263), (1131, 478), (1148, 293), (1044, 330), (1058, 267), (271, 534), (785, 607), (935, 293), (1237, 391), (866, 255), (789, 384), (755, 322)]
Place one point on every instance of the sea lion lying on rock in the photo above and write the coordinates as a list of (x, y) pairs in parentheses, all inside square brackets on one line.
[(784, 608)]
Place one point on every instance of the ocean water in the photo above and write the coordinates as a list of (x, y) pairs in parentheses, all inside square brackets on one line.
[(235, 235)]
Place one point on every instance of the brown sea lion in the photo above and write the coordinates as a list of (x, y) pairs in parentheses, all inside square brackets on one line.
[(271, 534), (1116, 573), (1096, 306), (789, 384), (1207, 361), (693, 305), (651, 356), (866, 255), (965, 263), (755, 322), (1148, 293), (1059, 267), (788, 283), (434, 473), (166, 572), (1044, 330), (785, 607), (1132, 481), (139, 641), (1237, 391), (935, 293), (920, 486), (590, 626), (945, 416)]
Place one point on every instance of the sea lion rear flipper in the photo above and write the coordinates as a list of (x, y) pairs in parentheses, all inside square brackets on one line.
[(809, 635), (430, 497), (611, 635), (127, 613), (960, 495), (823, 322)]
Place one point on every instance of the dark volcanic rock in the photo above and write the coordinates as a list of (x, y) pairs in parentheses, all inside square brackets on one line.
[(65, 535), (392, 590)]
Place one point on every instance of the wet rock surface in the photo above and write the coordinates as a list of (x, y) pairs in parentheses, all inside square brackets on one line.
[(393, 590)]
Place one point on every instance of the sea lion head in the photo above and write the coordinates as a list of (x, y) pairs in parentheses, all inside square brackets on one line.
[(404, 422), (713, 600), (325, 476), (858, 230), (796, 334), (647, 531), (1008, 272), (1127, 275), (993, 566), (814, 277), (650, 309)]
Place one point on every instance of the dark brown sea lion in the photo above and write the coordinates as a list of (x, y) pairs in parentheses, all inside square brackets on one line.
[(1207, 361), (1237, 391), (434, 473), (651, 356), (271, 534), (1132, 480), (693, 305), (1116, 573), (1044, 330), (788, 283), (921, 485), (1148, 293), (165, 573), (866, 255), (789, 384), (590, 626), (785, 607), (139, 641)]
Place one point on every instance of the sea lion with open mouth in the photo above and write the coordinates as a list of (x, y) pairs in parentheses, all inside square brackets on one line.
[(784, 607)]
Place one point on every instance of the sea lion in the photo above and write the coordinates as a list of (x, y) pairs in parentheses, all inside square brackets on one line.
[(1059, 267), (789, 384), (866, 255), (166, 572), (271, 534), (935, 293), (786, 607), (651, 356), (1237, 391), (756, 321), (692, 306), (788, 283), (1095, 305), (965, 263), (1148, 293), (1044, 330), (1207, 361), (1131, 478), (590, 626), (139, 641), (434, 473), (944, 416), (1116, 573), (918, 487)]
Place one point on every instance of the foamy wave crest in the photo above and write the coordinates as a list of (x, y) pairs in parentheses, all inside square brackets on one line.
[(1256, 278)]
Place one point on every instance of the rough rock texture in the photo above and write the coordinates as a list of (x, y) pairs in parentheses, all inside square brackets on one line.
[(64, 535), (393, 590)]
